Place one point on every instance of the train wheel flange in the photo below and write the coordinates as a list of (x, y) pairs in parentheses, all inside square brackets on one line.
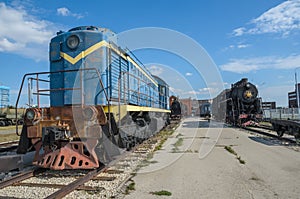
[(280, 133)]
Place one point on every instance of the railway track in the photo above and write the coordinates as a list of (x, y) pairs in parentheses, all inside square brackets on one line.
[(8, 146), (105, 182), (269, 132), (42, 183)]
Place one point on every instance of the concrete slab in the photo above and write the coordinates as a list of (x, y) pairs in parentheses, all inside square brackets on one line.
[(270, 171)]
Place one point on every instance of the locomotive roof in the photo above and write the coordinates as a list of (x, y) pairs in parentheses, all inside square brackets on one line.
[(91, 28), (160, 81)]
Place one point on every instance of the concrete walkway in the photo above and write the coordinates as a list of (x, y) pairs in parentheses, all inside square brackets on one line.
[(183, 168)]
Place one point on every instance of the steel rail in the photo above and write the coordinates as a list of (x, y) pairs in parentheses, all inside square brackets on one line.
[(20, 177), (269, 134), (76, 184)]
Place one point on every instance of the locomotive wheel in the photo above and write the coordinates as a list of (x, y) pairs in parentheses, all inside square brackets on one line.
[(280, 133), (297, 138), (24, 142), (2, 123)]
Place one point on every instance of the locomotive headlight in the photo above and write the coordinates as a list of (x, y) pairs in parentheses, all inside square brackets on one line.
[(248, 94), (30, 114), (248, 85), (73, 42), (90, 113)]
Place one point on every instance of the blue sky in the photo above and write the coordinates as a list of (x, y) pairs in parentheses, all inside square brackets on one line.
[(257, 39)]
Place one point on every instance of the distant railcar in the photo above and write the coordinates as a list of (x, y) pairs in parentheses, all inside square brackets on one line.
[(287, 126), (205, 110), (175, 108)]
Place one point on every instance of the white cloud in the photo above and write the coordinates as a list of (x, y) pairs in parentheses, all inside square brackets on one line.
[(255, 64), (280, 96), (24, 34), (188, 74), (155, 70), (239, 31), (66, 12), (63, 11), (239, 46), (242, 45), (281, 19)]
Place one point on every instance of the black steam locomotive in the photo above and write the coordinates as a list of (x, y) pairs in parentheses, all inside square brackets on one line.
[(175, 108), (239, 106)]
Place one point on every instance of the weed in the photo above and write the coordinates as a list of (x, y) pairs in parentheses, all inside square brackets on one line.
[(162, 137), (178, 143), (9, 137), (179, 135), (240, 160), (161, 193), (153, 162), (254, 178), (230, 150), (129, 188)]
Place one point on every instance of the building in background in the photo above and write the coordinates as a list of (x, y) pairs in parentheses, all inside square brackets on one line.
[(268, 105), (191, 107), (4, 96), (292, 97)]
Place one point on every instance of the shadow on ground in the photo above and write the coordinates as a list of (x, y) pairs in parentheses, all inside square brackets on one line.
[(269, 141), (203, 124)]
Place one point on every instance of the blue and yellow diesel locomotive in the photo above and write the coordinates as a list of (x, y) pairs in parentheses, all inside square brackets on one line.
[(101, 100)]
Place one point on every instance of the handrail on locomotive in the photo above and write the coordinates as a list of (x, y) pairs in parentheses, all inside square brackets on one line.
[(37, 79)]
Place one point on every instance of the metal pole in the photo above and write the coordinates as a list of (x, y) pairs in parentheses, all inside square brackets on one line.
[(297, 90)]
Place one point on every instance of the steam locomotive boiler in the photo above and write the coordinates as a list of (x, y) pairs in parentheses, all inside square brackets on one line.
[(239, 105), (101, 101)]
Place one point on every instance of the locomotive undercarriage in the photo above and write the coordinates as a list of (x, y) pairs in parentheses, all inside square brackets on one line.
[(63, 137), (83, 137), (242, 115), (136, 127)]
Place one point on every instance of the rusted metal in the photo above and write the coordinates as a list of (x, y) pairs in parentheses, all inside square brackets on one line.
[(33, 132), (74, 185), (40, 91), (8, 146), (81, 123), (10, 162), (74, 155), (113, 171), (20, 177), (58, 186), (104, 178)]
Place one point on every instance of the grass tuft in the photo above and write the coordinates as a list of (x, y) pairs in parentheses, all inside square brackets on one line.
[(230, 150), (8, 137), (130, 187), (177, 144), (240, 160), (161, 193)]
